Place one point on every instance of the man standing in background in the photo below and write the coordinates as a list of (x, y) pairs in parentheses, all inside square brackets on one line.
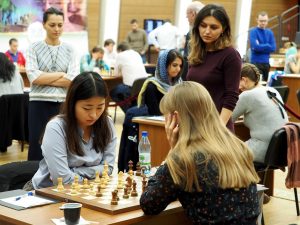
[(137, 39), (262, 43), (191, 13), (165, 37), (14, 55)]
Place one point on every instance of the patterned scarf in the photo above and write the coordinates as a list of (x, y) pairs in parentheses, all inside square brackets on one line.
[(161, 79)]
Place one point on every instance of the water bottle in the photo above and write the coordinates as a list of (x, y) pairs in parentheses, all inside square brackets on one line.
[(145, 153)]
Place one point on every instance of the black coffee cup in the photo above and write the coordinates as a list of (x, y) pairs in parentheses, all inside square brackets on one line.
[(71, 213)]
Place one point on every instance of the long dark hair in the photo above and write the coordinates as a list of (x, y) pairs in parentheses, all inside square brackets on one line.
[(84, 86), (7, 68), (198, 47), (172, 55)]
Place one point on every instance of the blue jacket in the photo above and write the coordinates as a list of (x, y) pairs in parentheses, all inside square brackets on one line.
[(262, 43)]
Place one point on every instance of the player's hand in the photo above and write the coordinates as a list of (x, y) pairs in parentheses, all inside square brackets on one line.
[(172, 129)]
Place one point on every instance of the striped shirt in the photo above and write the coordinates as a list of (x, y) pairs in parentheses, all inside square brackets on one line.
[(41, 58)]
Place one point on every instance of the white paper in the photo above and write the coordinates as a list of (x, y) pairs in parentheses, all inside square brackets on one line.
[(27, 201), (158, 118)]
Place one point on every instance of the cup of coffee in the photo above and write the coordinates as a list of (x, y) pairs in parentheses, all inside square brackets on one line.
[(71, 213)]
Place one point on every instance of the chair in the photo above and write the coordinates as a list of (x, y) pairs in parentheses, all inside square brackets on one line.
[(276, 158), (298, 96), (13, 119), (283, 91), (14, 175), (135, 90)]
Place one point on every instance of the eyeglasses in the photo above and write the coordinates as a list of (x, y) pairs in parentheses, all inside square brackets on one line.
[(262, 21)]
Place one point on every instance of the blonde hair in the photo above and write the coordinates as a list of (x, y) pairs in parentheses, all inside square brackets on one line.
[(198, 47), (201, 131)]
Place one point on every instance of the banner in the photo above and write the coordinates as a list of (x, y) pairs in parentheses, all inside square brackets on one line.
[(17, 15)]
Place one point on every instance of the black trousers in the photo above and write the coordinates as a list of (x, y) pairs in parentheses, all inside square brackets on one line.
[(264, 69), (39, 113)]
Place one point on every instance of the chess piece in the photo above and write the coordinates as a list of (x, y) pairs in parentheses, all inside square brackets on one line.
[(138, 169), (85, 184), (60, 186), (98, 193), (105, 167), (73, 189), (120, 178), (117, 194), (125, 195), (97, 177), (130, 166), (134, 192), (143, 171), (144, 183), (129, 183), (114, 200), (102, 183), (76, 179), (105, 176), (120, 183)]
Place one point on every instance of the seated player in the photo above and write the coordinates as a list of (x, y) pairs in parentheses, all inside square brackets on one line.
[(261, 114), (94, 61), (11, 81), (81, 138), (168, 72), (292, 63), (208, 169)]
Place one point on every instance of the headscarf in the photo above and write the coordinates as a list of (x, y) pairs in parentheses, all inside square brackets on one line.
[(161, 78)]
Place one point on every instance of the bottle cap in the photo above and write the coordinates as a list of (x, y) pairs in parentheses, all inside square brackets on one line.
[(144, 133)]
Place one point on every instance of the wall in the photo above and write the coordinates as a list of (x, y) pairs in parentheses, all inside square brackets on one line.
[(275, 8), (93, 22)]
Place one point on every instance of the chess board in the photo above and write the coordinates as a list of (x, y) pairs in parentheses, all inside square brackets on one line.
[(87, 197)]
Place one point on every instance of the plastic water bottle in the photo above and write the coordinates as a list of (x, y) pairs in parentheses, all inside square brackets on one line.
[(145, 153)]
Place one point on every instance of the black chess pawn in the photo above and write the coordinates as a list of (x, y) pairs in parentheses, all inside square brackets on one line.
[(138, 169), (129, 184), (134, 192), (125, 195), (144, 183), (114, 200), (98, 193)]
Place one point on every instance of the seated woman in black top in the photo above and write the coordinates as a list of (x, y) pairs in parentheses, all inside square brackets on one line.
[(168, 72), (208, 169)]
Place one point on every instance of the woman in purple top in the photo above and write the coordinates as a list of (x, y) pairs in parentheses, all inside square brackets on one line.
[(213, 61)]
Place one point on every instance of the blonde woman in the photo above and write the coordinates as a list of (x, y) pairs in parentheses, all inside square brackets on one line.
[(208, 169)]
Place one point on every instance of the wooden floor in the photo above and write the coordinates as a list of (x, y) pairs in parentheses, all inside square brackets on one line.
[(278, 211)]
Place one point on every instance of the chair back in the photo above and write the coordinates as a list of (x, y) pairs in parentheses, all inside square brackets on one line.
[(137, 86), (283, 91), (13, 119), (276, 155), (298, 96)]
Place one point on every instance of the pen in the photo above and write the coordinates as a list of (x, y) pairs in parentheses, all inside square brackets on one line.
[(22, 196)]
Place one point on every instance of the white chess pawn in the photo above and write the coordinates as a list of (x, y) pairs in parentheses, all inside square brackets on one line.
[(60, 186)]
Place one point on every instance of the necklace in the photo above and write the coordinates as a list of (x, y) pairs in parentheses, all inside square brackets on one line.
[(53, 65)]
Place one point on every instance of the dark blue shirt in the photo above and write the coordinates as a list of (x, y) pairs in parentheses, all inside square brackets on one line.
[(213, 205), (262, 43)]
